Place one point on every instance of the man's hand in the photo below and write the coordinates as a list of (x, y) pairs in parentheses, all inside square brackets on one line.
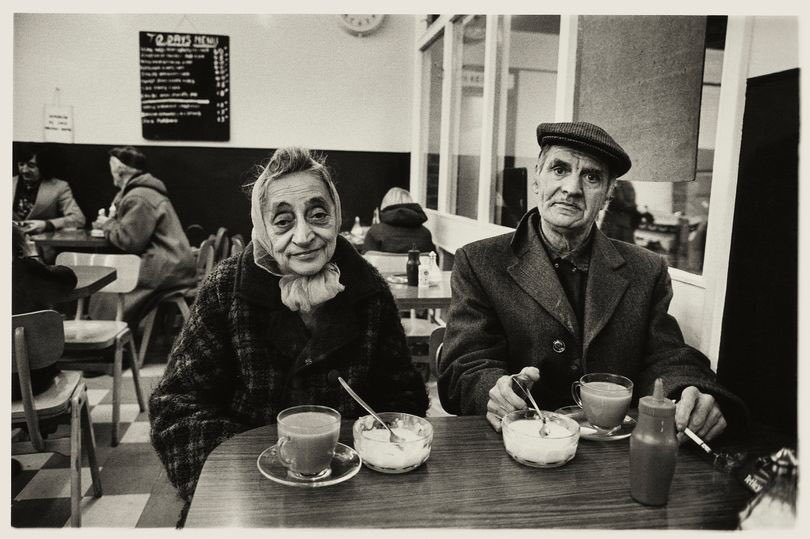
[(700, 412), (34, 226), (502, 399)]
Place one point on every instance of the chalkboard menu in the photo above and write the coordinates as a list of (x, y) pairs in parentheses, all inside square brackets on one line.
[(185, 86)]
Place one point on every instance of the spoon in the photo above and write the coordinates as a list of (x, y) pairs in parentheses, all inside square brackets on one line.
[(544, 427), (393, 438)]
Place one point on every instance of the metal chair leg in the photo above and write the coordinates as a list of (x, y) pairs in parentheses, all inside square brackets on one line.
[(90, 444), (136, 374), (116, 412), (75, 462), (148, 325)]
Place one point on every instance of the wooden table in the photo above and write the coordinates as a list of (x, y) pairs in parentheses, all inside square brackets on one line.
[(468, 482), (91, 279), (414, 297), (63, 240)]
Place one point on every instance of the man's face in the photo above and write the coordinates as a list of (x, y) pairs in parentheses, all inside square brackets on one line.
[(29, 170), (116, 170), (571, 187), (301, 223)]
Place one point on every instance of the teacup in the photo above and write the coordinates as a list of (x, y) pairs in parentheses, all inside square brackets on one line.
[(604, 398), (307, 436)]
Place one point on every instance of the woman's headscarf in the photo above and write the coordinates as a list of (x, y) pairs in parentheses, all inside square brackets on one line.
[(298, 292)]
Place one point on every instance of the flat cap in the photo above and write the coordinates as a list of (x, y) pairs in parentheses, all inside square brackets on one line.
[(130, 156), (586, 137)]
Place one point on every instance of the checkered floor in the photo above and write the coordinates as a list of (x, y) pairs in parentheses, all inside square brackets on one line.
[(136, 490)]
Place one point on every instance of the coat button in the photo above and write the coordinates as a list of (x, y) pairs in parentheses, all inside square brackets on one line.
[(558, 346), (308, 361), (574, 367)]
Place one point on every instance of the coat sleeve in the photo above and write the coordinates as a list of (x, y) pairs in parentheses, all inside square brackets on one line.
[(474, 351), (679, 365), (133, 225), (395, 382), (371, 243), (188, 410), (70, 211)]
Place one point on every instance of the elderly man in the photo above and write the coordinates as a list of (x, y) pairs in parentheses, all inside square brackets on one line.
[(143, 222), (557, 299)]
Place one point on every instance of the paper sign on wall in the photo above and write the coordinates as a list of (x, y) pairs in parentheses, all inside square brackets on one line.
[(58, 123)]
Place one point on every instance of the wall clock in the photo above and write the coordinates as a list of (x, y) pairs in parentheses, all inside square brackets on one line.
[(361, 25)]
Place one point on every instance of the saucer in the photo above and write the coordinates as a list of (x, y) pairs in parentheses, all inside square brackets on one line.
[(345, 465), (397, 278), (589, 433)]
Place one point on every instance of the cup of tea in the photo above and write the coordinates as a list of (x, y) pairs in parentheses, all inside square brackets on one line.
[(307, 436), (604, 398)]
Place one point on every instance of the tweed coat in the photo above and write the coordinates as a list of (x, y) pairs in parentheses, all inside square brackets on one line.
[(54, 203), (243, 357), (509, 311)]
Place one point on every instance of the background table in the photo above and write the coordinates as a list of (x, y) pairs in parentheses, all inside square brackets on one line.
[(64, 240), (469, 481), (415, 297)]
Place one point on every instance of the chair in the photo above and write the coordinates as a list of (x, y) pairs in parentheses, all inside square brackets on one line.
[(222, 244), (435, 350), (195, 234), (83, 335), (237, 244), (38, 343), (417, 330)]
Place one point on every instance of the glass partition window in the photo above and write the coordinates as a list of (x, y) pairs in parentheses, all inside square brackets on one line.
[(433, 58), (525, 97), (471, 104)]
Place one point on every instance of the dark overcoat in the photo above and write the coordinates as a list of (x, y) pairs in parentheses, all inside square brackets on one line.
[(243, 357), (509, 311)]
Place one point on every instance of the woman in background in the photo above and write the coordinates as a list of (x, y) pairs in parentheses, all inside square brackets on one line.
[(400, 228), (274, 326)]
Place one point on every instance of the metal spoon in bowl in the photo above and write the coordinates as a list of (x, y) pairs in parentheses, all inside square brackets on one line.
[(544, 427), (393, 438)]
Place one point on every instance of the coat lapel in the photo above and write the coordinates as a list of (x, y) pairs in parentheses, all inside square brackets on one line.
[(605, 287), (534, 273), (45, 193)]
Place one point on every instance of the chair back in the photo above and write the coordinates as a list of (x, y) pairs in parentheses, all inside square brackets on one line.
[(222, 244), (39, 340), (435, 349), (127, 267), (392, 262), (237, 244), (195, 234), (205, 259)]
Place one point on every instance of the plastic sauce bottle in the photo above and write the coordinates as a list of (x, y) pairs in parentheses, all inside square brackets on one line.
[(653, 448), (357, 230), (412, 267)]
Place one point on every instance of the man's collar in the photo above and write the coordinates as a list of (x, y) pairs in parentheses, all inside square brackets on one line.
[(580, 257)]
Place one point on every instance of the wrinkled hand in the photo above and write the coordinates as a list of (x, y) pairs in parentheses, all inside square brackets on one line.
[(34, 226), (503, 399), (700, 412)]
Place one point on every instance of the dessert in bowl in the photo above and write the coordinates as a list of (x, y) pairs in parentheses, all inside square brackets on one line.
[(524, 442), (372, 442)]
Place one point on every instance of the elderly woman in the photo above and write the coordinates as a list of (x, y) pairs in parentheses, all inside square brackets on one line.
[(401, 225), (274, 327)]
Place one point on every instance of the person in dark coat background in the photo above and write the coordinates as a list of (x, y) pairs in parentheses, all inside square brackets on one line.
[(35, 286), (400, 228)]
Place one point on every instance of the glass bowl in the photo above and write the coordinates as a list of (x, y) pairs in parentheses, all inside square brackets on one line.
[(372, 442), (522, 440)]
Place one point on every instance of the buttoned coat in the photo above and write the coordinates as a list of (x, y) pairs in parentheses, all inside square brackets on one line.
[(509, 311), (239, 360), (54, 203)]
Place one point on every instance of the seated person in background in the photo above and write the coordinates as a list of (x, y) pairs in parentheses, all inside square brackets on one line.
[(144, 223), (557, 299), (35, 287), (45, 203), (275, 326), (621, 217), (400, 228)]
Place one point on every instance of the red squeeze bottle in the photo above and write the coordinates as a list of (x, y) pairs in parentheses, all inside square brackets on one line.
[(653, 448)]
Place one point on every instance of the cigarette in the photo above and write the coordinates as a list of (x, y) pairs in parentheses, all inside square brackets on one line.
[(695, 438)]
